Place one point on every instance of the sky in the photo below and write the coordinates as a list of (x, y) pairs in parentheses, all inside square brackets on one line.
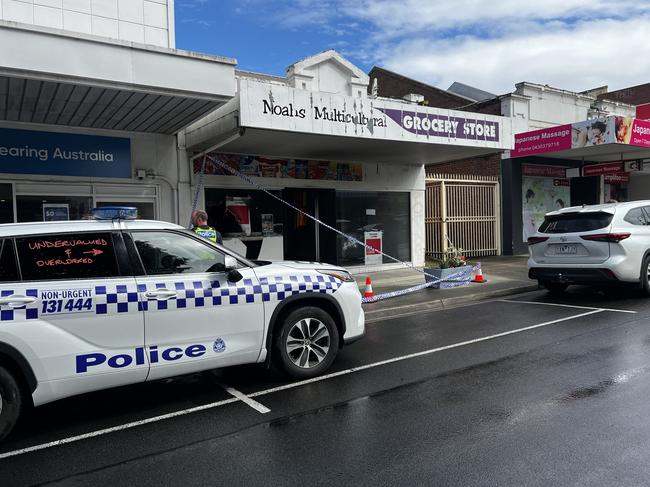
[(490, 44)]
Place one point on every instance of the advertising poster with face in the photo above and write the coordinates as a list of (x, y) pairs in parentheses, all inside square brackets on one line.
[(590, 133), (539, 196)]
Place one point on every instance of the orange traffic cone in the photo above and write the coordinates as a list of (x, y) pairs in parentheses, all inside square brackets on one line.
[(368, 293), (478, 276)]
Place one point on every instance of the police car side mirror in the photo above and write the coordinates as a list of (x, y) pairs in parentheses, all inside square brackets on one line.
[(234, 276), (230, 263), (231, 268)]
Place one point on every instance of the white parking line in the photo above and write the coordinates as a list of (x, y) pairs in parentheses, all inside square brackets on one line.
[(260, 408), (568, 306), (292, 385), (114, 429)]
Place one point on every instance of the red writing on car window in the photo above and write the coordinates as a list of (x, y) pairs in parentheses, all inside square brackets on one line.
[(57, 262), (48, 244)]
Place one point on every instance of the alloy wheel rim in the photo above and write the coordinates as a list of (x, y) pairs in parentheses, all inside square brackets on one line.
[(308, 343), (648, 272)]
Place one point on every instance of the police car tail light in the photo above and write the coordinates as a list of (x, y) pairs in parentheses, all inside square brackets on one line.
[(340, 275), (115, 213)]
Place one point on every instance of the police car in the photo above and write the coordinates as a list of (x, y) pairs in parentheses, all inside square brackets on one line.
[(90, 305)]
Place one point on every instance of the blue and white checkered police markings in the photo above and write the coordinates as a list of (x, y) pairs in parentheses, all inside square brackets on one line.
[(140, 356)]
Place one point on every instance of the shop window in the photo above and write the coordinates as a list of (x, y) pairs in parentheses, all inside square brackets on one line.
[(247, 220), (238, 212), (52, 208), (172, 253), (385, 215), (67, 256), (8, 267), (6, 204)]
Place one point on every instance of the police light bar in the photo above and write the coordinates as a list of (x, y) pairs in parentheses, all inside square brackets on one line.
[(115, 213)]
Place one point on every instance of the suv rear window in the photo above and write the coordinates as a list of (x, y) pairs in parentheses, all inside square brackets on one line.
[(67, 256), (575, 222)]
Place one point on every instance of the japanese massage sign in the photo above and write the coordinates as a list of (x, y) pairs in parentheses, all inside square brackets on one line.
[(283, 108), (589, 133)]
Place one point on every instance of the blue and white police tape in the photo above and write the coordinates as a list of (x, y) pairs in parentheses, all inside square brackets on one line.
[(243, 177), (401, 292)]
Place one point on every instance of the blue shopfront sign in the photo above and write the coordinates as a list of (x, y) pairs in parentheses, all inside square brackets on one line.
[(54, 153)]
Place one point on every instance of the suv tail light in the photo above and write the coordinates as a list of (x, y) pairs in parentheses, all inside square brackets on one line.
[(606, 237), (536, 240)]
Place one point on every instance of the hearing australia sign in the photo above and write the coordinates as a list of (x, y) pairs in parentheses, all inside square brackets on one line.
[(276, 107), (63, 154)]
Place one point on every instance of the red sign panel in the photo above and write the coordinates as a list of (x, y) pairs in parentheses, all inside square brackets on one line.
[(599, 169), (540, 141), (544, 171), (643, 111), (623, 177)]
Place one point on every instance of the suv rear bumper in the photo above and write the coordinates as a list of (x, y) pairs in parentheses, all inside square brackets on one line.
[(573, 275)]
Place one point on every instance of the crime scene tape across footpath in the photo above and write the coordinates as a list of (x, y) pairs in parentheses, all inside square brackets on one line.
[(435, 280)]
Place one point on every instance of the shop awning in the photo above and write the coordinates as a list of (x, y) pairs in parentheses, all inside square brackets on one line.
[(50, 77), (276, 143), (280, 121), (607, 140)]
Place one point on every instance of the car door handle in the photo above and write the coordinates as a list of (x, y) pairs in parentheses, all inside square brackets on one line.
[(16, 300), (160, 294)]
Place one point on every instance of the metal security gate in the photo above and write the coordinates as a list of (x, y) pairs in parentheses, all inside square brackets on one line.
[(463, 211)]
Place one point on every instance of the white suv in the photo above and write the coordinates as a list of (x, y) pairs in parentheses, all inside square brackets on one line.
[(596, 244), (90, 305)]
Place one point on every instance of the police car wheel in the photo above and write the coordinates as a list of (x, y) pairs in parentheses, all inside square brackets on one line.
[(10, 402), (307, 342)]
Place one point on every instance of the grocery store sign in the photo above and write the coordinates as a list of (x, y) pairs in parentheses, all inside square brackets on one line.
[(277, 107)]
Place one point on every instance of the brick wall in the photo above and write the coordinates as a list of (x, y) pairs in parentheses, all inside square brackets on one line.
[(635, 95), (393, 85), (477, 166), (489, 107)]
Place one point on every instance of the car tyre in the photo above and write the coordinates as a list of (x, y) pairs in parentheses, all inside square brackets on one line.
[(645, 277), (11, 402), (306, 343), (555, 288)]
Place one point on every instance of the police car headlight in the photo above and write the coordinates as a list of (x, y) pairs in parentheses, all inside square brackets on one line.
[(340, 275)]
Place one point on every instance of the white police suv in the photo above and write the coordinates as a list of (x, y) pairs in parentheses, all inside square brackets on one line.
[(89, 305)]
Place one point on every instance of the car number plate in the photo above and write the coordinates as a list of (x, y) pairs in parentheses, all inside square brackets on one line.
[(566, 249)]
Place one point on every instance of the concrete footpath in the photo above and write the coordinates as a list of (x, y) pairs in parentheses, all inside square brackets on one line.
[(505, 275)]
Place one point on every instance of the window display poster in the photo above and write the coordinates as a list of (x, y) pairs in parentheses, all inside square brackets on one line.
[(267, 224), (56, 212), (539, 196), (255, 166), (239, 208), (374, 240)]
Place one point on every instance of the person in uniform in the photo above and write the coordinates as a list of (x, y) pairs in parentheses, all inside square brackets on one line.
[(201, 227)]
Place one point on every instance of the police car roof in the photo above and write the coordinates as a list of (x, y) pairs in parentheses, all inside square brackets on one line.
[(36, 228)]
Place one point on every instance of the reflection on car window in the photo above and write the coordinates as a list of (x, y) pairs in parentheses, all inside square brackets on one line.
[(172, 253), (8, 267), (575, 222), (636, 216)]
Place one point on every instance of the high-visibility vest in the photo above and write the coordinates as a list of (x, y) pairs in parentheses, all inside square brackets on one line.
[(207, 232)]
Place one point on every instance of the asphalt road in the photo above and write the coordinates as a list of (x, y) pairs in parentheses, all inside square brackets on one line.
[(529, 391)]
